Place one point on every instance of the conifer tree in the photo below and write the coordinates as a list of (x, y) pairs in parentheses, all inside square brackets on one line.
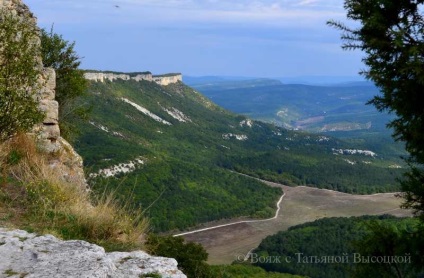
[(391, 34)]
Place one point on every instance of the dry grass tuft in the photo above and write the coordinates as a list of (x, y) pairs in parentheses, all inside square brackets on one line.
[(41, 200)]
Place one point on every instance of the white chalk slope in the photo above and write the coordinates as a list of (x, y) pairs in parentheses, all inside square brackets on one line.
[(146, 112)]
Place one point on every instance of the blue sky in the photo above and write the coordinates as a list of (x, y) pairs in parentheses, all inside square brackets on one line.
[(261, 38)]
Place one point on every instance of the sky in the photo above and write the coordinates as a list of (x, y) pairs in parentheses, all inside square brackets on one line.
[(257, 38)]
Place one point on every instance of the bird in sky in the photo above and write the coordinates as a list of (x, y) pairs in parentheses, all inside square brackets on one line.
[(116, 6)]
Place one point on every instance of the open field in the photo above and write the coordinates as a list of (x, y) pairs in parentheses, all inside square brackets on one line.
[(300, 204)]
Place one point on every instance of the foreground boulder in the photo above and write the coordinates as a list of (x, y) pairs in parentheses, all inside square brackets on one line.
[(28, 255)]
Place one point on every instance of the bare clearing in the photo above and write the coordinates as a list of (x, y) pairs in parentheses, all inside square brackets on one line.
[(300, 205)]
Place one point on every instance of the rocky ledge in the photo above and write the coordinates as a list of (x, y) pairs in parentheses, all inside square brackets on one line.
[(28, 255)]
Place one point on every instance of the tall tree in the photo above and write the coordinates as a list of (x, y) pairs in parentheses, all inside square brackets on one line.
[(19, 74), (71, 85), (391, 34)]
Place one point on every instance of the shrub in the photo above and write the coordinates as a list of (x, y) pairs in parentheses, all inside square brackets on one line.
[(44, 202), (71, 85), (19, 74), (191, 257)]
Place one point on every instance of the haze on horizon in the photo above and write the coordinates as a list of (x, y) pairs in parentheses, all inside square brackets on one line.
[(258, 38)]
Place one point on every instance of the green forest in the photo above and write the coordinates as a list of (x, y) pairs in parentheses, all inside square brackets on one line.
[(188, 175), (331, 247), (325, 108)]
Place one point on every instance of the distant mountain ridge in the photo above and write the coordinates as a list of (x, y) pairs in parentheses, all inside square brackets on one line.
[(305, 80), (324, 80), (336, 107)]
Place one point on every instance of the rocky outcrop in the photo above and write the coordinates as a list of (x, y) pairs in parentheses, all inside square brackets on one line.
[(48, 132), (18, 6), (103, 76), (64, 159), (167, 79), (28, 255), (163, 80)]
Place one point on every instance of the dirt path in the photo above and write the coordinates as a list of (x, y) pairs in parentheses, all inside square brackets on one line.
[(237, 222), (227, 241)]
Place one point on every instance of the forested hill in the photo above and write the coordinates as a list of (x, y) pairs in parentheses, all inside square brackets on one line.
[(326, 108), (170, 149), (334, 247)]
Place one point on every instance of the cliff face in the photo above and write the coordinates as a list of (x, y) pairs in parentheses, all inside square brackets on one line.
[(163, 80), (167, 79), (17, 6), (102, 76), (24, 254), (64, 159)]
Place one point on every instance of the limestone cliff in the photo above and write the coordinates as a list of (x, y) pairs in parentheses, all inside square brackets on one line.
[(163, 80), (23, 254), (65, 160), (103, 76), (18, 6), (167, 79)]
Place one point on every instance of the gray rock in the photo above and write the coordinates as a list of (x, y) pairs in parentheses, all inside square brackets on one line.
[(51, 109), (68, 164), (163, 80), (48, 84), (28, 255), (50, 76)]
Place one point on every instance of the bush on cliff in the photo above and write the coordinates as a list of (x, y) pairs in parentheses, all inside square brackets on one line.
[(35, 197), (71, 86), (19, 74), (191, 257)]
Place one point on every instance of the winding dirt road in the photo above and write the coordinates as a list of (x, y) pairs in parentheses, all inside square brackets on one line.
[(237, 222), (227, 241)]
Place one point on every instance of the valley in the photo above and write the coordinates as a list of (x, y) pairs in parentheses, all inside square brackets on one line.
[(216, 178), (339, 107), (170, 151), (286, 173), (230, 242)]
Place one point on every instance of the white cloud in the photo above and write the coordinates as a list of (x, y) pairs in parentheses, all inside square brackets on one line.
[(307, 2), (154, 12), (234, 37)]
